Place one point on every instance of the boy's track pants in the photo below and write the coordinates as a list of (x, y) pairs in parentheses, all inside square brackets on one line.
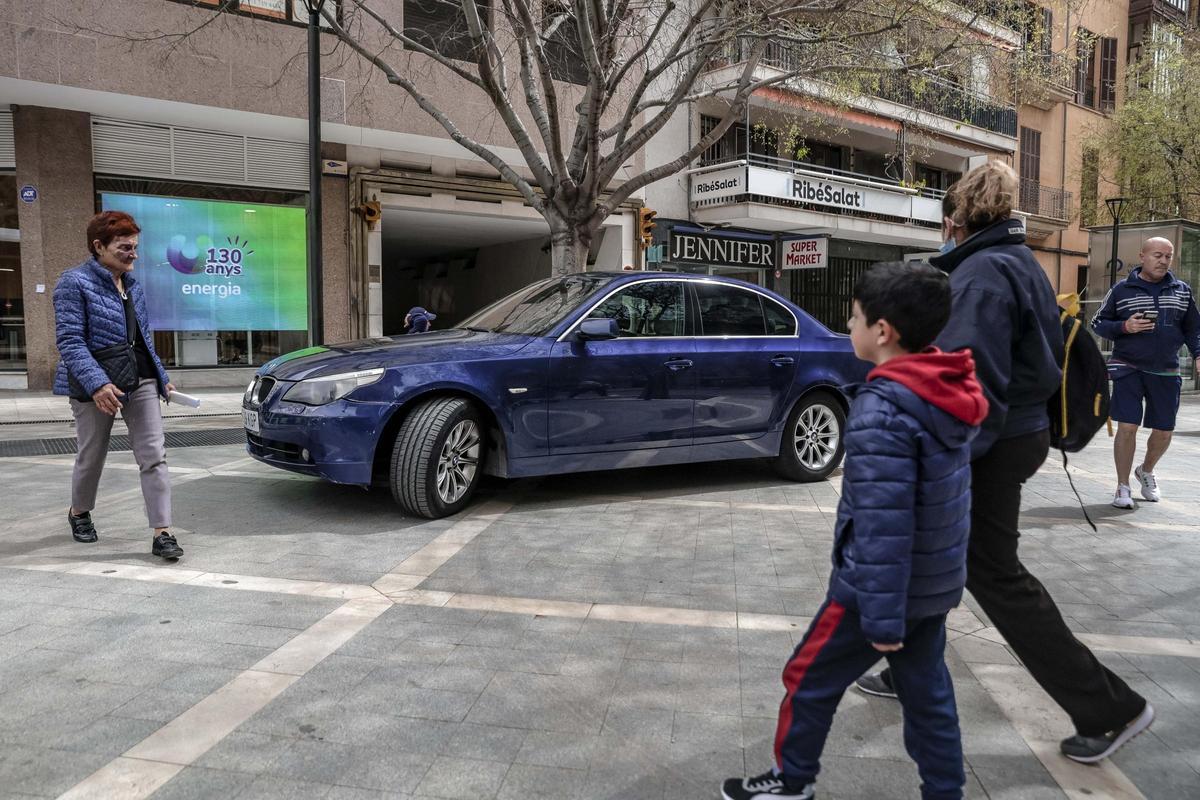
[(832, 655)]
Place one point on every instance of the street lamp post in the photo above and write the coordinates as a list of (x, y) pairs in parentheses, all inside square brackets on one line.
[(1115, 206), (313, 7)]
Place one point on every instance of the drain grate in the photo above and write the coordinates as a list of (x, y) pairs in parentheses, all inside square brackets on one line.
[(67, 446)]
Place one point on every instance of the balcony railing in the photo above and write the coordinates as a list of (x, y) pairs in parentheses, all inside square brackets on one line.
[(920, 91), (1054, 69), (1044, 201), (938, 96), (782, 182)]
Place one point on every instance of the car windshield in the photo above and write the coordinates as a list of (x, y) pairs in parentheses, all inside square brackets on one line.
[(537, 308)]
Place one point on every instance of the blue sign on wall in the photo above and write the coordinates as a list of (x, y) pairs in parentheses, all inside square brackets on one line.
[(28, 193)]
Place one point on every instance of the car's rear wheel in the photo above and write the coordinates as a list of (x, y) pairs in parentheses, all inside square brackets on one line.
[(812, 439), (438, 458)]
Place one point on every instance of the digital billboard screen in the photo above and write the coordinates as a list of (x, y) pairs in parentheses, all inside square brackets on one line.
[(214, 265)]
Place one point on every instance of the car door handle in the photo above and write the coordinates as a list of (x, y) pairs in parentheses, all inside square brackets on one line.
[(677, 364), (783, 361)]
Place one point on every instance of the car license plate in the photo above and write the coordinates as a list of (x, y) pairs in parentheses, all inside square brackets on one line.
[(250, 420)]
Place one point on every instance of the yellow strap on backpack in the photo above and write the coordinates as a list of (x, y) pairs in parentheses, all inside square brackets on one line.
[(1069, 303)]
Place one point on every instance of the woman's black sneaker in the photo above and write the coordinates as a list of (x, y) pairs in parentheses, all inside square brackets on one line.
[(878, 684), (166, 546), (82, 529), (1090, 749)]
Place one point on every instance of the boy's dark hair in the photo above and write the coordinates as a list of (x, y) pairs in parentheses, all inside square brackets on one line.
[(913, 297)]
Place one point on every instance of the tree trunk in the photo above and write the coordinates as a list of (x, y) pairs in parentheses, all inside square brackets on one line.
[(568, 249)]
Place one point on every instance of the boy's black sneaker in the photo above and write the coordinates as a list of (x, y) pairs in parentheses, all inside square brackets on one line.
[(768, 786), (1090, 749), (878, 684), (82, 529), (166, 546)]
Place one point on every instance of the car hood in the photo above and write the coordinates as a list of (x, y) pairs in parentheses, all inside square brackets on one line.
[(454, 344)]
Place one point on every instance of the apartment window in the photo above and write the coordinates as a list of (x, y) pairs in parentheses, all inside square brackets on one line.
[(1037, 28), (1089, 187), (735, 143), (293, 11), (1085, 68), (441, 26), (820, 154), (934, 178), (1108, 74), (1031, 169), (562, 46)]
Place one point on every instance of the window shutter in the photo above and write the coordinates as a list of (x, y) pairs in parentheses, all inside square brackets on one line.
[(1108, 74), (8, 143), (165, 151)]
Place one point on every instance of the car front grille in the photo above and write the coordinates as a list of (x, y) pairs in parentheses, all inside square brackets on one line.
[(261, 390), (270, 448)]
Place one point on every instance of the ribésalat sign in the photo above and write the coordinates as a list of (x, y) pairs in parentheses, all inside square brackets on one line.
[(813, 188)]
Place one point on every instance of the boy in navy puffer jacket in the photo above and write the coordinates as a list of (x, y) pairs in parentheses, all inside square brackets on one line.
[(900, 544)]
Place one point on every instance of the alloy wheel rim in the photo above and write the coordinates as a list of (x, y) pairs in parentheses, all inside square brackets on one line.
[(816, 437), (458, 462)]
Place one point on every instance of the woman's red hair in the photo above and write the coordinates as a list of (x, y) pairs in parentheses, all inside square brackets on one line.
[(108, 225)]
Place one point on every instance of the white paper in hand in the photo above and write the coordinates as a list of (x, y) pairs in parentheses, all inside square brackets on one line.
[(183, 399)]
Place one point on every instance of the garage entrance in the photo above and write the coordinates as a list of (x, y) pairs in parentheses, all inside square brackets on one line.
[(453, 264)]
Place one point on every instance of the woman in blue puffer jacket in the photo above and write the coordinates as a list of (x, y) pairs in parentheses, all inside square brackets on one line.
[(97, 305)]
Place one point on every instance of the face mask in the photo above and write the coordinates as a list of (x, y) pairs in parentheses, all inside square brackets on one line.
[(947, 246)]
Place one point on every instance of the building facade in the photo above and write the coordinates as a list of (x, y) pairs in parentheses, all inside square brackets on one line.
[(203, 138), (866, 184)]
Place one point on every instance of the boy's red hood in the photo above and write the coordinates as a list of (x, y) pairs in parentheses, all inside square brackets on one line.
[(944, 380)]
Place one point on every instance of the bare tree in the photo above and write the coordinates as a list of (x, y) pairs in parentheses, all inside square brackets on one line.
[(580, 87)]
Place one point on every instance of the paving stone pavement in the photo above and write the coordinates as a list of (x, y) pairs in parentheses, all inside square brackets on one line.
[(454, 691)]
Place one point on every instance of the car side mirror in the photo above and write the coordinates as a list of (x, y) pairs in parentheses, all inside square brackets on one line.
[(598, 330)]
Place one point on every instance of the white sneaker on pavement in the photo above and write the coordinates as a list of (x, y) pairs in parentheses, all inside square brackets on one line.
[(1123, 498), (1149, 485)]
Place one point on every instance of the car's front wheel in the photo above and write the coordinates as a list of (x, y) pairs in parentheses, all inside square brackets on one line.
[(812, 439), (438, 458)]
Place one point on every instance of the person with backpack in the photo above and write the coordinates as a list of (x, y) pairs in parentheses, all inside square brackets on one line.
[(1148, 317), (1004, 310)]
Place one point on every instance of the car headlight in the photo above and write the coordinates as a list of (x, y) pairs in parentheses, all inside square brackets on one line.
[(319, 391), (248, 397)]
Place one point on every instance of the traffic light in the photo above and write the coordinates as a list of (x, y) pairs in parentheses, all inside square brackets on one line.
[(646, 226)]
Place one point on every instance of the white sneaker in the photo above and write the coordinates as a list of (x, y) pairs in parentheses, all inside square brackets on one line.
[(1123, 498), (1149, 485)]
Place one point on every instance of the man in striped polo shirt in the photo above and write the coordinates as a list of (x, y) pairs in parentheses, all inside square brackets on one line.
[(1148, 317)]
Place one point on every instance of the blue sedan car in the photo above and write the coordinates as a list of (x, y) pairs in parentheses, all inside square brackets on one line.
[(590, 371)]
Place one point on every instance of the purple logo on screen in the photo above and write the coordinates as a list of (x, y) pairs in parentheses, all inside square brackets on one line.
[(188, 258)]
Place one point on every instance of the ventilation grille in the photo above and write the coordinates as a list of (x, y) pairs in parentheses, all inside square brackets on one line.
[(64, 446), (8, 144), (165, 151)]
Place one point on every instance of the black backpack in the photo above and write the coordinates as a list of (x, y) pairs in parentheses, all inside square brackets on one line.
[(1080, 406)]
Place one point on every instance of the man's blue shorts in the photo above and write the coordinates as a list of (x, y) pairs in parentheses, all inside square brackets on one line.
[(1159, 392)]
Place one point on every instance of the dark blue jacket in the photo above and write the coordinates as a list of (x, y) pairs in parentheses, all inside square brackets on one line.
[(89, 315), (1157, 350), (1004, 310), (900, 544)]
